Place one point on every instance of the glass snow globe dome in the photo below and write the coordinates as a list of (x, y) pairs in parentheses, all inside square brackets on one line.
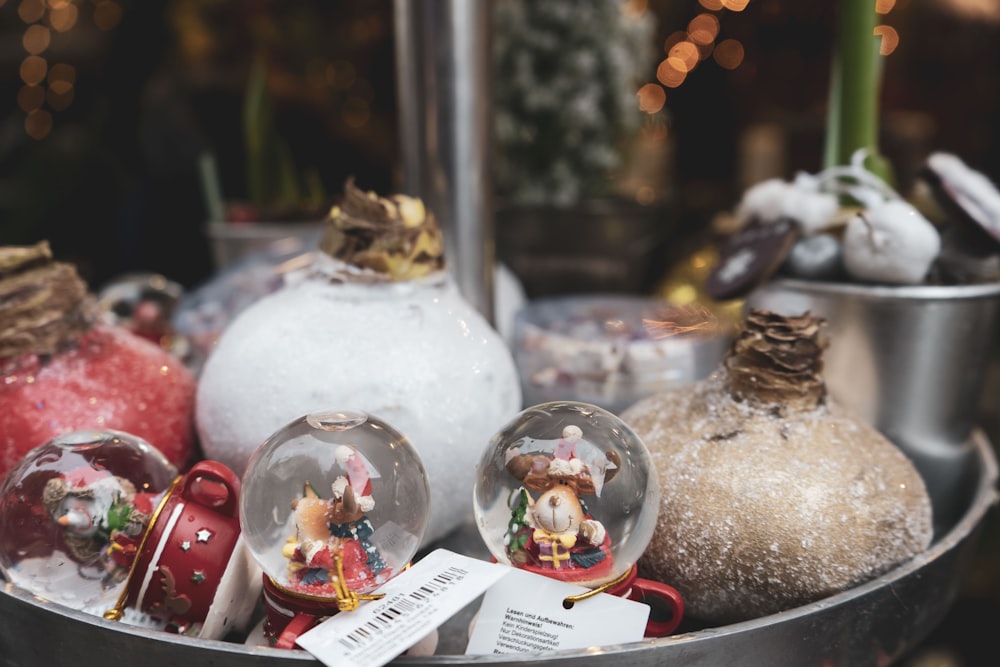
[(74, 512), (334, 503), (567, 490)]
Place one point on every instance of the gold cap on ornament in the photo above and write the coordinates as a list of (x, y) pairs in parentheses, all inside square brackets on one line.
[(44, 305), (395, 236)]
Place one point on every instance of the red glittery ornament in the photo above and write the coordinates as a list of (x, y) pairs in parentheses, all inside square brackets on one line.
[(63, 370)]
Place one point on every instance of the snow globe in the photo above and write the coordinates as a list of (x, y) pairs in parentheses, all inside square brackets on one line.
[(96, 521), (334, 504), (73, 512), (567, 490)]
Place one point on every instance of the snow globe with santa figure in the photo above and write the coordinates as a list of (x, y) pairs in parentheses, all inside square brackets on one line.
[(101, 522), (73, 513), (334, 505), (568, 491)]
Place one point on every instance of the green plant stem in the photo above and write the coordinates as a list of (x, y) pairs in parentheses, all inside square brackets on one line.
[(256, 125), (855, 86)]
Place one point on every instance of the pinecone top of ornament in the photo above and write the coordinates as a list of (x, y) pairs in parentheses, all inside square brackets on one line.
[(43, 304), (394, 237), (778, 360)]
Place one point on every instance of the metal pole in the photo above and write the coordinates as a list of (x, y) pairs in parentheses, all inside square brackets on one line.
[(443, 69)]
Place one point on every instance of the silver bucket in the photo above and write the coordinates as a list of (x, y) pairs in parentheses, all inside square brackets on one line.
[(873, 624), (911, 360)]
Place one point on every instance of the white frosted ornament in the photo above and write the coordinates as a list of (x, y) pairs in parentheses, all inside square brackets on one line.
[(365, 333), (890, 243)]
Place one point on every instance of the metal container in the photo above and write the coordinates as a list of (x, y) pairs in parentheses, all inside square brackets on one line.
[(597, 348), (910, 360), (872, 624), (444, 67)]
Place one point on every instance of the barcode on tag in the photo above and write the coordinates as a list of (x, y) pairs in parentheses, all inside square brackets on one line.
[(416, 602), (401, 606)]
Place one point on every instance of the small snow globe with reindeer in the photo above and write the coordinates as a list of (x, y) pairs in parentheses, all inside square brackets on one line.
[(334, 505), (567, 490)]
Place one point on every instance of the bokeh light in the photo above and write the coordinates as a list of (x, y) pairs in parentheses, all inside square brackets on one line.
[(729, 53), (33, 69), (651, 98), (36, 39), (635, 8), (712, 5), (673, 39), (738, 5), (30, 98), (38, 123), (671, 72), (703, 29), (107, 14), (60, 74), (63, 18), (884, 6), (686, 54), (59, 99), (890, 39), (31, 10)]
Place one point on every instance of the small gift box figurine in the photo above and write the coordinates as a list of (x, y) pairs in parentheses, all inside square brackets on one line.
[(568, 491), (99, 521), (334, 505)]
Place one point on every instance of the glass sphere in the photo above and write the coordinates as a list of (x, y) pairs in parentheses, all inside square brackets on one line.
[(567, 490), (331, 492), (74, 511)]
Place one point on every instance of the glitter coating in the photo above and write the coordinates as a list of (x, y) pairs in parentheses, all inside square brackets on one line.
[(111, 379), (759, 513)]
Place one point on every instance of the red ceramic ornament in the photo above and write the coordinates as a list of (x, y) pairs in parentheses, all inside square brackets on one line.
[(62, 369)]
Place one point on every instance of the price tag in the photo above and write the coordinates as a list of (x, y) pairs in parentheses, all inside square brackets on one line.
[(526, 615), (416, 602)]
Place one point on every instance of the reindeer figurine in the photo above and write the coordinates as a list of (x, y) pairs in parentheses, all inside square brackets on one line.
[(554, 533), (336, 528)]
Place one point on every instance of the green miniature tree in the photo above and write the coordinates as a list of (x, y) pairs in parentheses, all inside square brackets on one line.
[(518, 529)]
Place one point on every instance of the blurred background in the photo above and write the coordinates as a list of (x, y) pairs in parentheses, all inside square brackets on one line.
[(126, 126), (106, 107)]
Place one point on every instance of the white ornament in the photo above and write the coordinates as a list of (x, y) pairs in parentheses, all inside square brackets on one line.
[(801, 201), (890, 243), (415, 354)]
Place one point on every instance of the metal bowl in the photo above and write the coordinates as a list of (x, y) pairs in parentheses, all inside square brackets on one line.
[(872, 624)]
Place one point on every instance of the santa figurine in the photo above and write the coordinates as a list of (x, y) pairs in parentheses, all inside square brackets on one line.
[(352, 500), (566, 447)]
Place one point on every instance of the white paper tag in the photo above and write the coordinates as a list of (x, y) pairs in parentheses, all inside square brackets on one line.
[(416, 602), (525, 614)]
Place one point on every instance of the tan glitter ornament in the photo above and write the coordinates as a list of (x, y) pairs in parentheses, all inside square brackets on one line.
[(772, 495)]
